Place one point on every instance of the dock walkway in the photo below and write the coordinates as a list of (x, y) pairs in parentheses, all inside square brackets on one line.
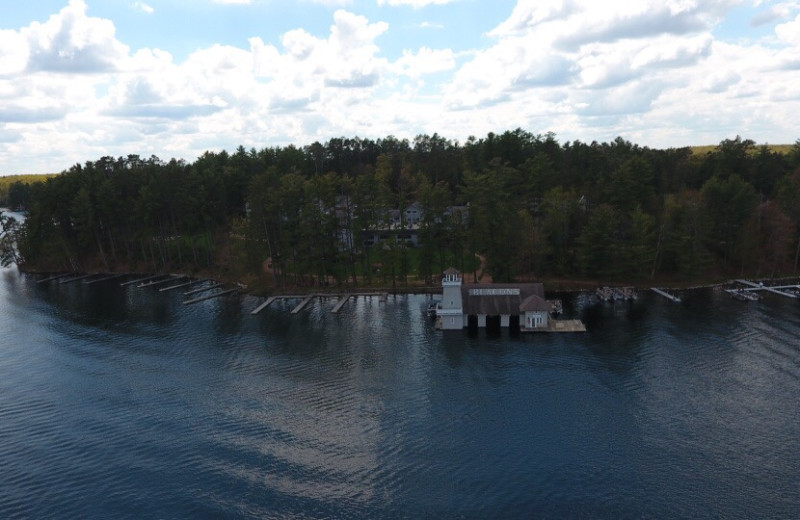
[(343, 298), (203, 289), (140, 280), (558, 326), (666, 295), (338, 307), (54, 277), (105, 278), (303, 303), (264, 305), (159, 282), (76, 278), (752, 286), (172, 287)]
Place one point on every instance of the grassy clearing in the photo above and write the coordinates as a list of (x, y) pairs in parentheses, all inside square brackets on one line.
[(706, 149)]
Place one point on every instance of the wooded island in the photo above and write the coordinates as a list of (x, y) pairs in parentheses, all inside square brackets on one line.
[(394, 212)]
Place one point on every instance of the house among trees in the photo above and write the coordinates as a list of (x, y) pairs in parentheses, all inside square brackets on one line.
[(517, 306)]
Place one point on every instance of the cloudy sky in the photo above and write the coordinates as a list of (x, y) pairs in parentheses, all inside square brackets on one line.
[(82, 79)]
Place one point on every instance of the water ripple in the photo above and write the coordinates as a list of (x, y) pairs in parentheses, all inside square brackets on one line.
[(121, 402)]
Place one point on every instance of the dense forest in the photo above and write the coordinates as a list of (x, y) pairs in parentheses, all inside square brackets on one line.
[(395, 212)]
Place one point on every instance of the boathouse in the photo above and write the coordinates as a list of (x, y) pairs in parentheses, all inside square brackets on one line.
[(501, 305)]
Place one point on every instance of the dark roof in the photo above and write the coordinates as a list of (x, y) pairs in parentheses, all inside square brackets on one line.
[(451, 270), (498, 298), (535, 303)]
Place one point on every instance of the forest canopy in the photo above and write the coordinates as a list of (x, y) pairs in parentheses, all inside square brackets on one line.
[(393, 211)]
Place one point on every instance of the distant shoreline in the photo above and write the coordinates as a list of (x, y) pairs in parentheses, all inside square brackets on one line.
[(551, 286)]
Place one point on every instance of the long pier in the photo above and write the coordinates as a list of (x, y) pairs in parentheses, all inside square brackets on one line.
[(54, 277), (203, 289), (140, 280), (343, 299), (76, 278), (159, 282), (171, 287), (303, 303), (670, 297), (776, 290), (105, 278), (264, 305), (210, 296)]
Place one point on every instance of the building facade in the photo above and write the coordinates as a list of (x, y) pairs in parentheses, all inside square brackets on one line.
[(500, 305)]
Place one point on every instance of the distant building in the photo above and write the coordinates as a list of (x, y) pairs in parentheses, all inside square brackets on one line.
[(506, 305), (412, 215)]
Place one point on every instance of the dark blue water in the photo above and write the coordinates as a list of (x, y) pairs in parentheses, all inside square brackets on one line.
[(118, 402)]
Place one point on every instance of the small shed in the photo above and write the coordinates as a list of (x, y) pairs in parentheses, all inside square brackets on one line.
[(535, 311)]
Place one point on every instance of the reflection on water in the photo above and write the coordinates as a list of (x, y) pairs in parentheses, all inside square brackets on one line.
[(122, 402)]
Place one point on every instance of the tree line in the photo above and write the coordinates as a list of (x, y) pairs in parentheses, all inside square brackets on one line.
[(517, 204)]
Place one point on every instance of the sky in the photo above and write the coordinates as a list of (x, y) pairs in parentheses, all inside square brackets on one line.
[(84, 79)]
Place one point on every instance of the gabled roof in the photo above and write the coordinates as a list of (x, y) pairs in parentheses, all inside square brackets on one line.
[(451, 270), (534, 303)]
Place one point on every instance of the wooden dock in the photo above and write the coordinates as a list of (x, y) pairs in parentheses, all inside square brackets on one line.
[(558, 326), (105, 278), (203, 289), (209, 297), (140, 280), (566, 326), (159, 282), (306, 299), (752, 286), (666, 295), (54, 277), (76, 278), (338, 307), (264, 305), (172, 287), (303, 303)]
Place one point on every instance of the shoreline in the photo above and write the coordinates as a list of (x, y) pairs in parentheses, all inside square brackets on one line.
[(559, 286)]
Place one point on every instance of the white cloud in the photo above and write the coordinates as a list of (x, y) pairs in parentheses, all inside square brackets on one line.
[(13, 53), (331, 3), (789, 32), (416, 4), (425, 61), (143, 7), (653, 72), (232, 2), (778, 12), (72, 42)]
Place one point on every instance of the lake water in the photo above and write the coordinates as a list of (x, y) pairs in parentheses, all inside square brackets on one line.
[(120, 402)]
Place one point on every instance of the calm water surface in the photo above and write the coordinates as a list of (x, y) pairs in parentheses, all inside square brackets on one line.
[(118, 402)]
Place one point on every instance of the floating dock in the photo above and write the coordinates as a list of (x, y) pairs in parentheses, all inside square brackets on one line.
[(140, 280), (171, 287), (159, 282), (76, 278), (51, 278), (209, 297), (264, 305), (752, 286), (203, 289), (344, 299), (566, 326), (105, 278), (558, 326), (670, 297), (303, 303)]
